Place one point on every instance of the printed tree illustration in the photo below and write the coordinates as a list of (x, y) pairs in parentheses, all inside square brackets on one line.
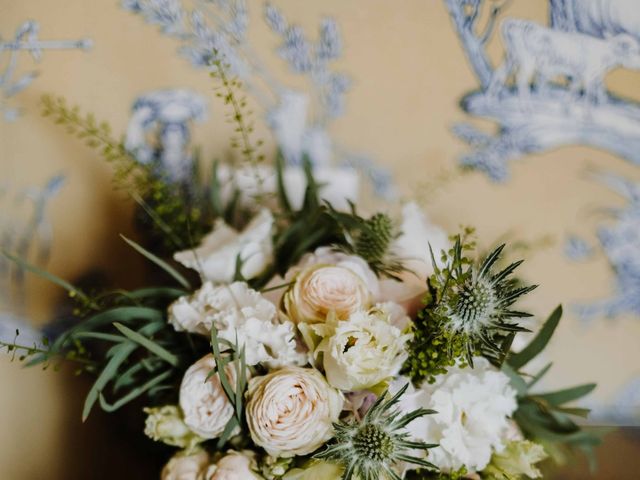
[(557, 96)]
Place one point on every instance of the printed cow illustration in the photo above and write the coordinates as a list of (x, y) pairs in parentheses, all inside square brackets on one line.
[(535, 51)]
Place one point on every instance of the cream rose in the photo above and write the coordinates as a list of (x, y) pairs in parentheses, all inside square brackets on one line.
[(291, 411), (363, 351), (217, 255), (234, 466), (204, 403), (186, 467), (321, 289)]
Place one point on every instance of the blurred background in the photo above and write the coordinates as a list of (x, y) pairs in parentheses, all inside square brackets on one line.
[(570, 202)]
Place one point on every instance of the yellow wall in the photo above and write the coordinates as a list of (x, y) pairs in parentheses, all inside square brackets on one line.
[(409, 72)]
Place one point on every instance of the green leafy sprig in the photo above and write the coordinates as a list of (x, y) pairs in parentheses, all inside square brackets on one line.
[(467, 313), (545, 417), (239, 114)]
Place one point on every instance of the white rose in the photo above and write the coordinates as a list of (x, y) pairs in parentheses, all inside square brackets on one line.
[(291, 411), (363, 351), (185, 467), (234, 466), (321, 289), (205, 406), (217, 255), (243, 315)]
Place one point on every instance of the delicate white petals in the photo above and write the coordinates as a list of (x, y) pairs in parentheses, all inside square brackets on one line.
[(243, 315), (473, 408), (216, 257), (362, 351)]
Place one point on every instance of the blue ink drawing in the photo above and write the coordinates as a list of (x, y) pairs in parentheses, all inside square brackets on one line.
[(25, 40), (299, 118), (158, 133), (549, 90), (620, 243)]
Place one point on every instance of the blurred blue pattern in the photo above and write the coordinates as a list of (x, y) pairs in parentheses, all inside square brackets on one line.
[(25, 40), (159, 131), (25, 231), (212, 30), (586, 40), (620, 243)]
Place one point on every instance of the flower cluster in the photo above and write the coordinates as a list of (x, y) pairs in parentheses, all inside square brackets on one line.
[(320, 350), (299, 339)]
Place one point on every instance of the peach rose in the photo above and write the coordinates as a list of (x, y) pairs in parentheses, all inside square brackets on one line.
[(291, 411)]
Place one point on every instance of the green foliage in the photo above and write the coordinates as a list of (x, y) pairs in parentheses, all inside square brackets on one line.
[(172, 215), (370, 449), (467, 313), (545, 417), (239, 114), (316, 223), (234, 393), (370, 239)]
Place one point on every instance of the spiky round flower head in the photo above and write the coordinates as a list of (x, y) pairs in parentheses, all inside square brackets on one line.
[(468, 313), (377, 447), (370, 238)]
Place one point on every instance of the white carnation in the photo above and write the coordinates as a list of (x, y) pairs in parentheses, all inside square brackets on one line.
[(242, 314), (473, 408), (217, 255)]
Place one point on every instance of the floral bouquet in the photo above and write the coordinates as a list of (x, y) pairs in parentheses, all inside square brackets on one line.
[(315, 343), (281, 333)]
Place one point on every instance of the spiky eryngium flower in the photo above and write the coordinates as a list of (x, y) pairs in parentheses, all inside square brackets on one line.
[(372, 239), (376, 447), (468, 313)]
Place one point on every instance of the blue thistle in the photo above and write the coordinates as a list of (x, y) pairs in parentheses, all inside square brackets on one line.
[(375, 447)]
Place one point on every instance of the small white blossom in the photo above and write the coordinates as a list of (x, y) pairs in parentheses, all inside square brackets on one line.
[(217, 256), (473, 407), (243, 315)]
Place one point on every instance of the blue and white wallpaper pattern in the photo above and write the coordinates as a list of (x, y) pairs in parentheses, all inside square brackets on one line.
[(548, 92)]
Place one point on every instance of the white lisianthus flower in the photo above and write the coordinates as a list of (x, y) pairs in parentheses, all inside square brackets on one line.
[(291, 411), (321, 289), (217, 255), (234, 466), (242, 314), (166, 424), (363, 351), (473, 407), (186, 467), (205, 405)]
